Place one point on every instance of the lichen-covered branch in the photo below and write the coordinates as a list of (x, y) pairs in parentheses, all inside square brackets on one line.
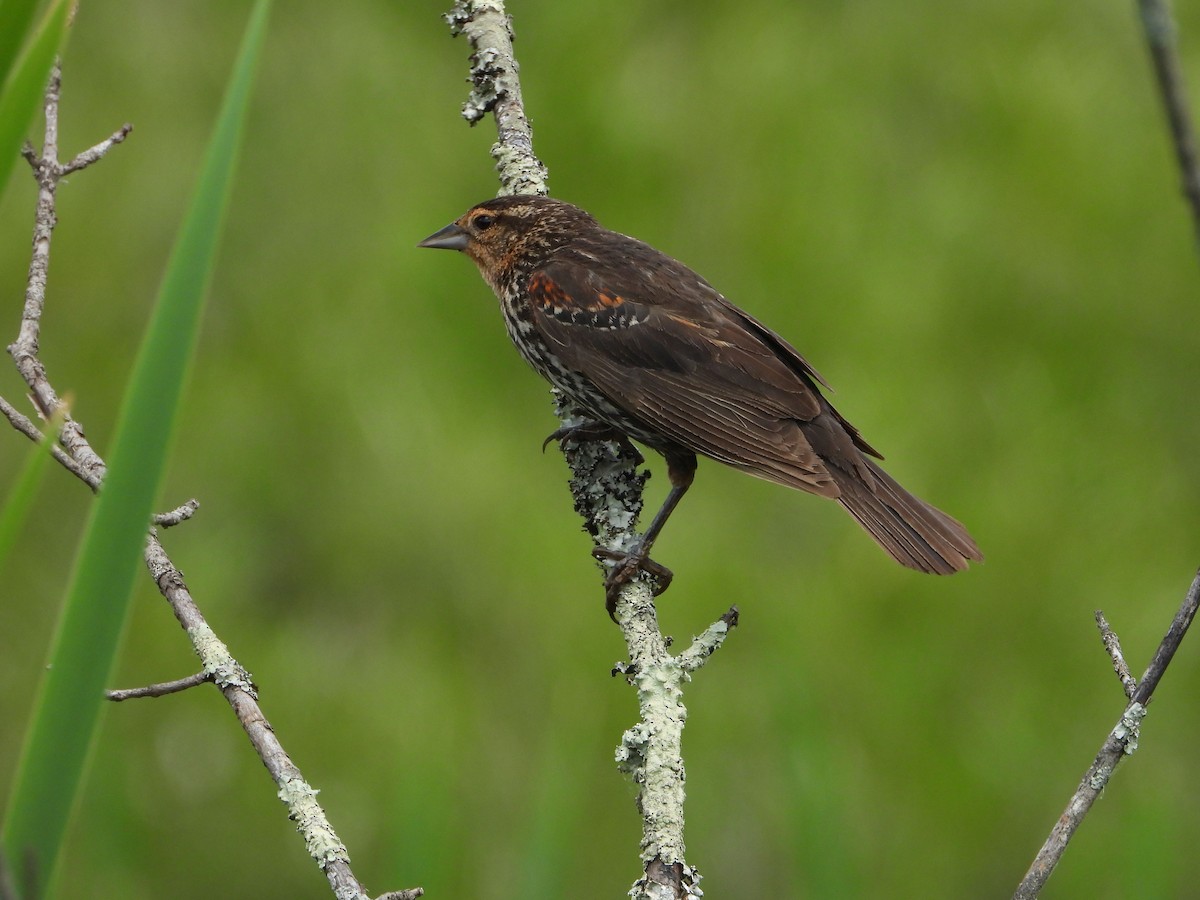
[(607, 489), (497, 89), (237, 686), (1121, 742), (78, 457), (651, 751), (606, 484)]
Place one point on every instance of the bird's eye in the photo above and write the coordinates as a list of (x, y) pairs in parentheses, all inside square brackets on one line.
[(483, 222)]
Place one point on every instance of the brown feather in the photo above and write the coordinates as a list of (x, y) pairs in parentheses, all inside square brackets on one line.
[(916, 534), (646, 345), (719, 383)]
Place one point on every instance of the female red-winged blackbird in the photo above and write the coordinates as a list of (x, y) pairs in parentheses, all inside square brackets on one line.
[(648, 348)]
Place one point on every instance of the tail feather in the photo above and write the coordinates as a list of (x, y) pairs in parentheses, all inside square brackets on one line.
[(916, 534)]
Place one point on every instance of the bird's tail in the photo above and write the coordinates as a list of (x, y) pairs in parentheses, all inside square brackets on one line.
[(916, 534)]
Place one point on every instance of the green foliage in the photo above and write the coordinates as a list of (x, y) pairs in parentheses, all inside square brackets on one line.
[(19, 502), (15, 18), (968, 222), (23, 72), (84, 651)]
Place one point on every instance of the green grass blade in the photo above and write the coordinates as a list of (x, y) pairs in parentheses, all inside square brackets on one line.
[(15, 16), (20, 500), (27, 83), (85, 646)]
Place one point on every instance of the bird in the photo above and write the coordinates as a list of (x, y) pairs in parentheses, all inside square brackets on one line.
[(650, 351)]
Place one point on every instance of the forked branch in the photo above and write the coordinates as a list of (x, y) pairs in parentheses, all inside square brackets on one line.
[(1121, 742), (607, 488)]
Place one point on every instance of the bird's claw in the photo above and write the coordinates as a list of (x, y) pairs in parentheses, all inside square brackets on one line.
[(592, 431), (626, 565), (585, 431)]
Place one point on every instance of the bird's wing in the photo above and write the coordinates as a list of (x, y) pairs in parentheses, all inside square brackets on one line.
[(664, 347)]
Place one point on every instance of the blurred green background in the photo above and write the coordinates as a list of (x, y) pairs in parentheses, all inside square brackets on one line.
[(970, 223)]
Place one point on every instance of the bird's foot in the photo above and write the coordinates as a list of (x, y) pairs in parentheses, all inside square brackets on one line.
[(592, 430), (625, 566)]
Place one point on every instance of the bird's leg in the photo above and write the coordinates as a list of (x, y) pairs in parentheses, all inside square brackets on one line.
[(681, 469), (593, 430)]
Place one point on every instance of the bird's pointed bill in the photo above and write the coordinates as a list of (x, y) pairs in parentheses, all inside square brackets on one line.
[(452, 237)]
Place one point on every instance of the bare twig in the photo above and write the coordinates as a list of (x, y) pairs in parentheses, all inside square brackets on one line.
[(1160, 38), (1113, 645), (219, 666), (1121, 742), (159, 690), (1170, 643), (177, 515), (96, 153), (24, 425), (24, 350), (607, 488)]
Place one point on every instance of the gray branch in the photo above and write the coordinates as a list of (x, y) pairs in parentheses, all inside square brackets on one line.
[(1113, 645), (239, 690), (159, 690), (177, 516), (78, 457), (24, 425), (1121, 742), (606, 485), (24, 350), (1159, 30)]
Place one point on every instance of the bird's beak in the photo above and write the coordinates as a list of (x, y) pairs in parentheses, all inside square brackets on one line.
[(452, 237)]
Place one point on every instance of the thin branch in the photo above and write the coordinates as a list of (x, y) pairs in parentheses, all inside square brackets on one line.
[(177, 515), (24, 350), (1170, 643), (25, 425), (219, 666), (1122, 741), (238, 688), (96, 153), (1160, 39), (159, 690), (709, 642), (1113, 645)]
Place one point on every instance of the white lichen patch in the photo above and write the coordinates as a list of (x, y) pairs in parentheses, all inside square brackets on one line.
[(319, 839)]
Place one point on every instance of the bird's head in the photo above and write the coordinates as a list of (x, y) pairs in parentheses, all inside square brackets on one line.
[(510, 234)]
